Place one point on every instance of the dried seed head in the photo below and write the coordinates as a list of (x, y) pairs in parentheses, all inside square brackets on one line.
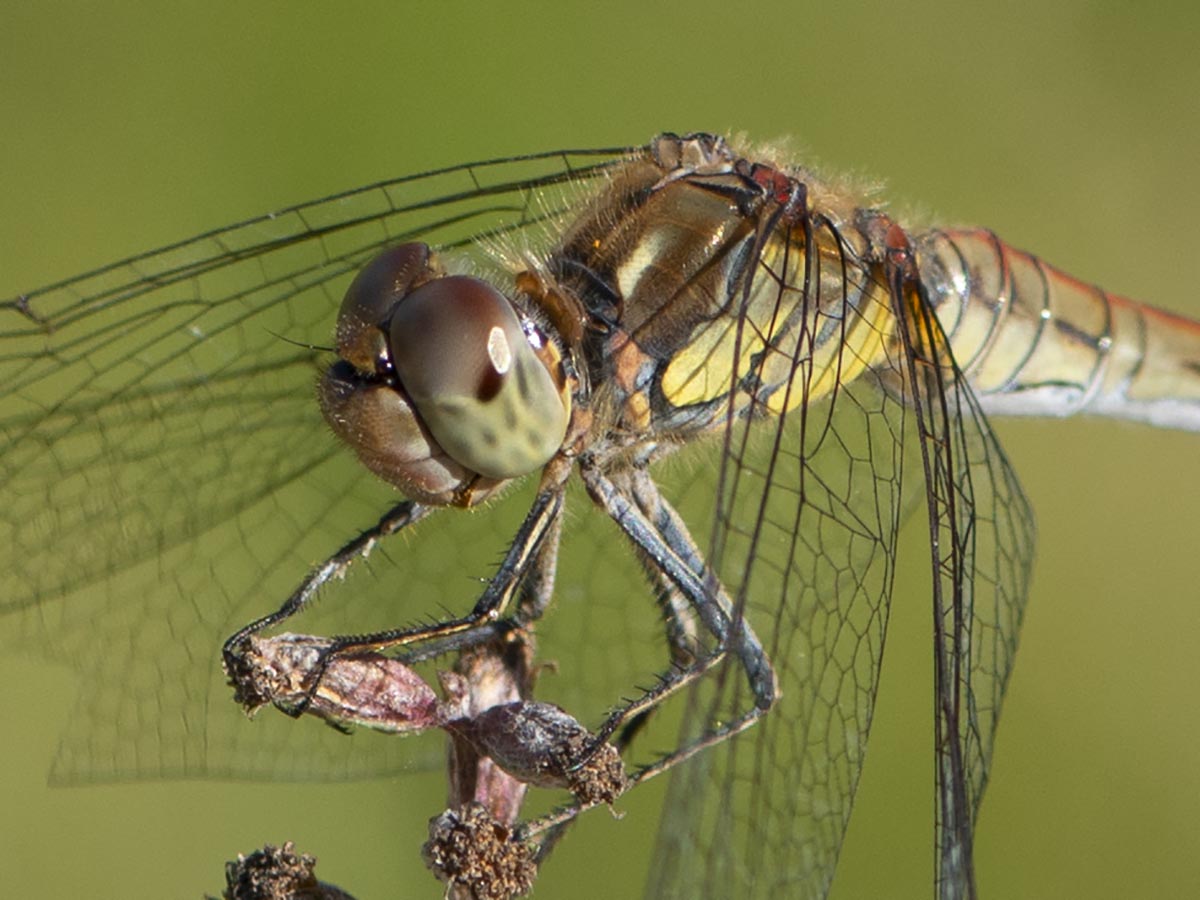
[(476, 856), (263, 669), (366, 689), (600, 779), (277, 873)]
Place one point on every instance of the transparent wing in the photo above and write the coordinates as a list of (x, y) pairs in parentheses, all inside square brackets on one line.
[(167, 475), (981, 530), (804, 537)]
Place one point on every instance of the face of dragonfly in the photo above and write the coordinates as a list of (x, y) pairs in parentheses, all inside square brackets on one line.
[(443, 388), (681, 302)]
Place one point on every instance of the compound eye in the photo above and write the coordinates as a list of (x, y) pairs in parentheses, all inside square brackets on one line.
[(462, 356), (371, 298)]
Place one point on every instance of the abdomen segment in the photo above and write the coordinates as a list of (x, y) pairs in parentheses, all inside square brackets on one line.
[(1033, 340)]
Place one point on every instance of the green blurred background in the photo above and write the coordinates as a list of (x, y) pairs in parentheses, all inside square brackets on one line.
[(1072, 128)]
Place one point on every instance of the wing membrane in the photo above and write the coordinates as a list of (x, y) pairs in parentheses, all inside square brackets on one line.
[(167, 475), (805, 538), (981, 530)]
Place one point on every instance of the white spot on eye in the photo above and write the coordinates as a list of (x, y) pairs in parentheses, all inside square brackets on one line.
[(499, 352)]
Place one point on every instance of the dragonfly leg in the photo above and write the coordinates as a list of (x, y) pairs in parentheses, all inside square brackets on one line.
[(668, 551), (683, 642), (667, 548), (536, 586), (689, 658), (394, 520), (482, 624)]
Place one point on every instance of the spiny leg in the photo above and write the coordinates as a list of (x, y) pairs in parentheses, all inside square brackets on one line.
[(396, 519), (536, 587), (538, 532), (539, 523), (682, 630), (666, 547)]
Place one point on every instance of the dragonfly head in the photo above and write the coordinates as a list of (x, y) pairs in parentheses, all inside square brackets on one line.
[(443, 387)]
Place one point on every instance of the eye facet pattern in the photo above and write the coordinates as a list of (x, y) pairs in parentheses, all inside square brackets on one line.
[(438, 380)]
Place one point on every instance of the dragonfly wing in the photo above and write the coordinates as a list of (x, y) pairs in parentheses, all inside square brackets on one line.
[(167, 475), (804, 537), (982, 535)]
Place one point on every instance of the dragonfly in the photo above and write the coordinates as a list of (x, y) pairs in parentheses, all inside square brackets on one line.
[(737, 380)]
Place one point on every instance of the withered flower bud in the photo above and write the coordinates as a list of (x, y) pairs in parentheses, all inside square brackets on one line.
[(541, 744), (367, 689), (277, 873)]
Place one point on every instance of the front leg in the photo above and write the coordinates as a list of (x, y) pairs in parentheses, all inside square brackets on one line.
[(526, 571)]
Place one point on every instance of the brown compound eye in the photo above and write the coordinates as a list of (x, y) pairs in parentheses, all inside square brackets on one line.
[(462, 356), (440, 382), (372, 298)]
